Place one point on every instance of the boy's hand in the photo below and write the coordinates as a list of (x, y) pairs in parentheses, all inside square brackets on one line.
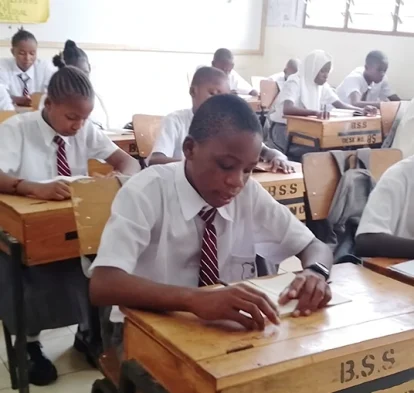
[(370, 110), (226, 304), (55, 191), (283, 165), (311, 289), (23, 101)]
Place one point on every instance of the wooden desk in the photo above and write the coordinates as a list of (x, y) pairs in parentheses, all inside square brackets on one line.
[(362, 346), (382, 265), (46, 230), (255, 103), (339, 132), (126, 142), (287, 189)]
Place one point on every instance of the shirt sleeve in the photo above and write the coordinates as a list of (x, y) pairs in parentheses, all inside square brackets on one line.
[(243, 87), (275, 227), (328, 95), (351, 84), (128, 232), (385, 90), (168, 138), (99, 145), (383, 209), (290, 92), (6, 103), (10, 147)]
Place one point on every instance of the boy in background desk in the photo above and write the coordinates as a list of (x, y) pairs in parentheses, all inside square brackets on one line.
[(292, 67), (387, 226), (207, 82), (24, 74), (35, 148), (368, 85), (184, 225)]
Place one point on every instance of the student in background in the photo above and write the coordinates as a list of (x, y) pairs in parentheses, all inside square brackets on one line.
[(6, 103), (163, 220), (386, 228), (24, 74), (35, 148), (306, 93), (74, 56), (280, 78), (368, 85), (207, 82), (404, 136), (224, 60)]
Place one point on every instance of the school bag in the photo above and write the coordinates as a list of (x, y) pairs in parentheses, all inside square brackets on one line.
[(351, 195)]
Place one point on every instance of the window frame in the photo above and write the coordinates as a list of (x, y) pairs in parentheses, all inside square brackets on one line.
[(394, 32)]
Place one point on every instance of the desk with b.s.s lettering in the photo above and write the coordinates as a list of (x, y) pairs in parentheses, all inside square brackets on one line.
[(361, 346), (126, 142), (335, 133)]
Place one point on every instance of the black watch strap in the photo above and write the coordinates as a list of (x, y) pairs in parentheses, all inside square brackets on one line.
[(321, 269)]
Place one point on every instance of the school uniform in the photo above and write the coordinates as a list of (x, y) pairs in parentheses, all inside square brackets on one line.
[(355, 82), (390, 206), (6, 103), (174, 130), (35, 79), (99, 115), (56, 294), (279, 78), (156, 226), (404, 135)]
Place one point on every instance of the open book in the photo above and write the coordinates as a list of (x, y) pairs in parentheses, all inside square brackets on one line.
[(406, 268), (274, 286)]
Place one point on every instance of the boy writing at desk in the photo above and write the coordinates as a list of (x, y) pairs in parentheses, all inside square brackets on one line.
[(207, 82), (177, 227)]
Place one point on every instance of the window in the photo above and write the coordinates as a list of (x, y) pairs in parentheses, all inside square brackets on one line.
[(387, 16)]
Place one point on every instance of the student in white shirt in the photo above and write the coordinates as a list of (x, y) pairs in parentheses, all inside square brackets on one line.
[(35, 148), (386, 228), (292, 67), (207, 82), (76, 57), (24, 74), (404, 135), (223, 60), (306, 93), (368, 85), (6, 103), (185, 225)]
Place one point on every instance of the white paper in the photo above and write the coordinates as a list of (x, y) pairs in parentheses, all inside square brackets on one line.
[(286, 13), (68, 179), (406, 268)]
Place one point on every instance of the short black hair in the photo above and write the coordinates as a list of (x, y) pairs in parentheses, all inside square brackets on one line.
[(22, 35), (376, 57), (70, 82), (223, 54), (206, 75), (223, 113), (71, 55)]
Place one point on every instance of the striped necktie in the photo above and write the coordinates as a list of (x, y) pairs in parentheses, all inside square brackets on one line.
[(209, 272), (24, 78), (62, 162)]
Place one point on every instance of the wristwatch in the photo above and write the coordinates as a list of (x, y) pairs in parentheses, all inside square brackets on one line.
[(319, 268)]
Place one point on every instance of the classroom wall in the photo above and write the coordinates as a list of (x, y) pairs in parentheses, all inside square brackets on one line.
[(348, 49)]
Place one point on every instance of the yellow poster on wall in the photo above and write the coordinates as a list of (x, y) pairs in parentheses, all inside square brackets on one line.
[(24, 11)]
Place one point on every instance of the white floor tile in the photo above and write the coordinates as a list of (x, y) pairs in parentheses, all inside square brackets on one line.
[(292, 264), (4, 377)]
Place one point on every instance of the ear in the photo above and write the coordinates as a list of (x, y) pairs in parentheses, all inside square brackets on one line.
[(48, 102), (189, 145), (192, 91), (12, 51)]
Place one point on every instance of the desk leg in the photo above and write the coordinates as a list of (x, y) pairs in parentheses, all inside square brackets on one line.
[(17, 356)]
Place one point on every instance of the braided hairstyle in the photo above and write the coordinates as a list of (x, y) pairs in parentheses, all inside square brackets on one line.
[(72, 55), (70, 82), (22, 35)]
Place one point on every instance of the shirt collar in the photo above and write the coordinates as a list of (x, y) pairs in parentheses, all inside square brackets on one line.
[(191, 202), (30, 72), (48, 132)]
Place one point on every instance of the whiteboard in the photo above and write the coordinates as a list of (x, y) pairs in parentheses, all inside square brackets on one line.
[(194, 26)]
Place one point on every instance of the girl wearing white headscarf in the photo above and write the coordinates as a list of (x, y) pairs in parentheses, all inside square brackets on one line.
[(305, 94)]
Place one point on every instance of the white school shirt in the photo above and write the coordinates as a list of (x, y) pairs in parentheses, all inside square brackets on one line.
[(279, 78), (355, 82), (174, 130), (99, 115), (39, 73), (27, 149), (155, 232), (404, 136), (6, 103), (291, 92), (390, 207)]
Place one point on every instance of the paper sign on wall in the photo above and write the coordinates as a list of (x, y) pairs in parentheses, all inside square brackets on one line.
[(24, 11)]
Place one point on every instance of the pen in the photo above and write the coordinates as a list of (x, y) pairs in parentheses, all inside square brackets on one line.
[(222, 283)]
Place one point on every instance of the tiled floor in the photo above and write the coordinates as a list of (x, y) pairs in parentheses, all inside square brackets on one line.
[(75, 374)]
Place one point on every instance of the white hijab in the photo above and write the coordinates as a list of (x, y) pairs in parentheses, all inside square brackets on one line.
[(310, 92)]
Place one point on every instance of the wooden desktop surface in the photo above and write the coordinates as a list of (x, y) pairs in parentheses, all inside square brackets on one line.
[(359, 343), (126, 142), (382, 265)]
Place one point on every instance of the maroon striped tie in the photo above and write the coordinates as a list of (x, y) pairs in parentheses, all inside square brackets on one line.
[(62, 162), (25, 88), (209, 272)]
